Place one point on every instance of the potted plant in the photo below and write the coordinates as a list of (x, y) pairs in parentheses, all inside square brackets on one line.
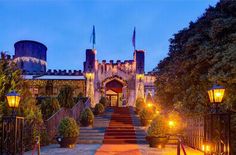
[(139, 105), (86, 117), (146, 115), (103, 100), (157, 132), (99, 109), (69, 132)]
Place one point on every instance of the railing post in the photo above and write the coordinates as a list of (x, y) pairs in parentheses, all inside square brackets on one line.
[(38, 142), (178, 147)]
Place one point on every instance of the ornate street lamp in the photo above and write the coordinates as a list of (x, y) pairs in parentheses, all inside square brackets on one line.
[(216, 124), (216, 94), (12, 128), (13, 100)]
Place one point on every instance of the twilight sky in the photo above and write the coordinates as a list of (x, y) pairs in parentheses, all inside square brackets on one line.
[(65, 26)]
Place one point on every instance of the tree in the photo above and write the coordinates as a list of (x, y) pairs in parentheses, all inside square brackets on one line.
[(199, 56), (65, 97), (11, 79)]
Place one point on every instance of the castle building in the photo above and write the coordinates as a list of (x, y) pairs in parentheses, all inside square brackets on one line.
[(121, 82)]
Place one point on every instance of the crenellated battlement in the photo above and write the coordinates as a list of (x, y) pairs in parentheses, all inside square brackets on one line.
[(127, 66), (56, 72)]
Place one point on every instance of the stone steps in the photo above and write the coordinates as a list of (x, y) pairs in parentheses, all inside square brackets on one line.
[(95, 134), (120, 129), (139, 130)]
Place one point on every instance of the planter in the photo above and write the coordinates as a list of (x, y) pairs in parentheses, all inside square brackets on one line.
[(97, 113), (67, 142), (86, 123), (145, 122), (157, 142), (137, 111)]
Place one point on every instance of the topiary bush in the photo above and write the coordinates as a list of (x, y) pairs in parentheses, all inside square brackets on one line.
[(86, 117), (103, 100), (140, 104), (99, 109), (157, 132), (178, 127), (146, 115), (65, 97), (81, 97), (68, 127), (158, 127)]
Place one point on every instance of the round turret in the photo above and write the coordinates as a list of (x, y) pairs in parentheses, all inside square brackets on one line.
[(31, 56)]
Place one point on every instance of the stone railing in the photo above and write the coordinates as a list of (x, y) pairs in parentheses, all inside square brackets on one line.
[(53, 122)]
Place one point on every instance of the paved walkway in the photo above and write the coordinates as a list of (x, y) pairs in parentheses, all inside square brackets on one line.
[(118, 149), (112, 149), (79, 149), (168, 150)]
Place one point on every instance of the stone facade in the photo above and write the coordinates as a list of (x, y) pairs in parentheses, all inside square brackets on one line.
[(121, 82), (51, 84), (128, 74)]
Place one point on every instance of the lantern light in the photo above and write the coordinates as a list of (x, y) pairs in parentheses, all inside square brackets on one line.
[(171, 124), (157, 112), (149, 105), (206, 148), (216, 94), (13, 99)]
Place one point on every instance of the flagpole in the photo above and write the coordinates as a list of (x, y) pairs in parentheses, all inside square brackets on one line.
[(92, 38), (134, 39)]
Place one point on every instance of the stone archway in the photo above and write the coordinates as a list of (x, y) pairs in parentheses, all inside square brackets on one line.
[(115, 90)]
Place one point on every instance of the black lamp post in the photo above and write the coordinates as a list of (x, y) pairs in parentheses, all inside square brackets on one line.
[(12, 128), (216, 125)]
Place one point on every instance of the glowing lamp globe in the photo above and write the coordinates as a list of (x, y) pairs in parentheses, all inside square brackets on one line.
[(13, 99), (171, 124), (216, 94), (149, 105)]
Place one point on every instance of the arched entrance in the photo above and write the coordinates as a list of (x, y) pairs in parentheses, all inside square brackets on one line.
[(114, 92)]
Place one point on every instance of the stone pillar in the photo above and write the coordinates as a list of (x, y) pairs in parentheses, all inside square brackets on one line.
[(90, 70), (139, 82)]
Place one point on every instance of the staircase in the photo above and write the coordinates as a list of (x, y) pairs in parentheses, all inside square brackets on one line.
[(139, 129), (120, 129), (95, 134)]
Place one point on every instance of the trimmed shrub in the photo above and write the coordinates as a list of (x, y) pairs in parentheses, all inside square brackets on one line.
[(68, 127), (80, 97), (178, 124), (146, 115), (103, 100), (140, 104), (158, 127), (99, 109), (65, 97), (86, 117)]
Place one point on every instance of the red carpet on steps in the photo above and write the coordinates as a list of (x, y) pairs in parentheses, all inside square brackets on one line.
[(120, 129)]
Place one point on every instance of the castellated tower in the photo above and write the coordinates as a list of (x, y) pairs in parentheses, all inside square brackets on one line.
[(120, 82), (89, 71), (139, 80), (31, 56)]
